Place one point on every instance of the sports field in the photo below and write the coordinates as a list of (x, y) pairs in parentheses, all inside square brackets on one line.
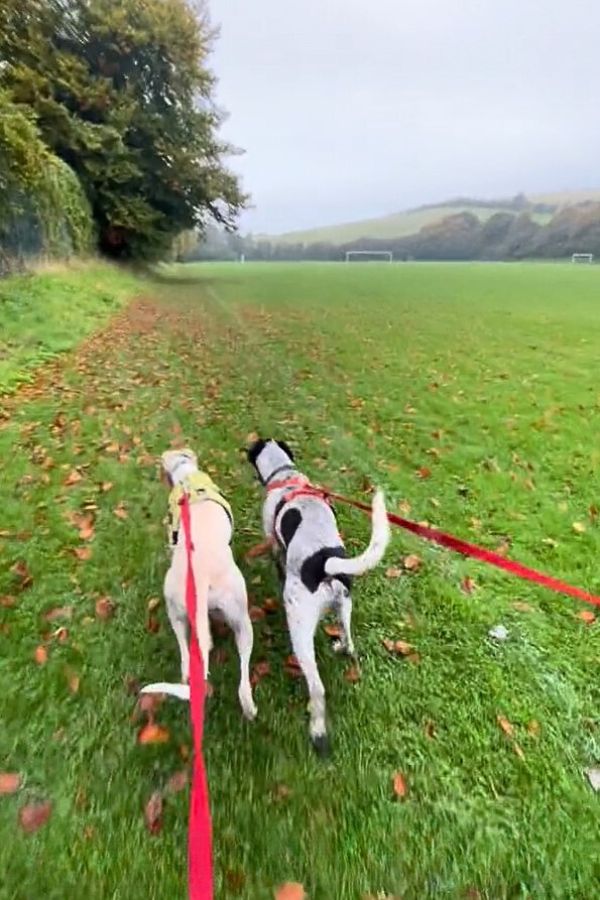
[(470, 393)]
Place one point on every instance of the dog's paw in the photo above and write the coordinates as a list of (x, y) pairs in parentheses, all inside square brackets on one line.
[(321, 745)]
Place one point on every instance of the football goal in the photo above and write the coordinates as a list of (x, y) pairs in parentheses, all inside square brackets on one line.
[(582, 258), (369, 255)]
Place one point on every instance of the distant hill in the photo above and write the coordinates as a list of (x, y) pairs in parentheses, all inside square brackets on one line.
[(540, 206)]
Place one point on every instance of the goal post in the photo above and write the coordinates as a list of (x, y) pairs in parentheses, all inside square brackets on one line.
[(369, 255), (582, 258)]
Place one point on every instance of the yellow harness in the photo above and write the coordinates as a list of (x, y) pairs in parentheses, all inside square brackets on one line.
[(199, 487)]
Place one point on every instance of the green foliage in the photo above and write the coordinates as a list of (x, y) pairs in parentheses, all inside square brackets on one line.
[(123, 95), (43, 209)]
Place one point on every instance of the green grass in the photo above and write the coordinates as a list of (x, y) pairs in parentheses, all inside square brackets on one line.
[(486, 375), (42, 315)]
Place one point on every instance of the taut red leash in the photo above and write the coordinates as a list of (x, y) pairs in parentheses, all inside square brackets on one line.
[(472, 550), (200, 829)]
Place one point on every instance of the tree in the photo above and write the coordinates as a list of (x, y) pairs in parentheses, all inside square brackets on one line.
[(122, 94)]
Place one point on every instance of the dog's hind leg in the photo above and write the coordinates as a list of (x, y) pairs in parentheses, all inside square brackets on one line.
[(178, 619), (303, 614), (232, 601), (344, 603)]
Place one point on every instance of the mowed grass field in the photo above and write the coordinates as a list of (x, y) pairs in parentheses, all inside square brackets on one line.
[(471, 395)]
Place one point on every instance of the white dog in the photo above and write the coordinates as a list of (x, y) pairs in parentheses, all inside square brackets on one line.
[(220, 586), (316, 574)]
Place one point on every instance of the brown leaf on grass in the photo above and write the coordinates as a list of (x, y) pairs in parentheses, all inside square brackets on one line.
[(393, 572), (423, 473), (256, 613), (21, 571), (105, 608), (281, 792), (153, 604), (120, 512), (399, 786), (593, 512), (34, 815), (521, 606), (73, 680), (40, 655), (502, 548), (10, 782), (292, 667), (270, 604), (74, 477), (430, 729), (106, 486), (153, 733), (399, 648), (333, 630), (111, 448), (259, 670), (7, 601), (260, 549), (468, 585), (86, 530), (352, 674), (58, 612), (177, 782), (533, 728), (412, 562), (149, 704), (587, 616), (153, 813), (83, 553), (291, 890), (61, 635), (152, 625), (505, 725), (404, 507)]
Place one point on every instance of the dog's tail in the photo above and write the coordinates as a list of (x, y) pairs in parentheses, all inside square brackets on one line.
[(380, 537)]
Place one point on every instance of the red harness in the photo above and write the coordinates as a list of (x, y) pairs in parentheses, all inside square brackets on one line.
[(300, 487)]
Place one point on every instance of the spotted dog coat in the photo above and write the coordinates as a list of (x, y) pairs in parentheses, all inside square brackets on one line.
[(315, 572)]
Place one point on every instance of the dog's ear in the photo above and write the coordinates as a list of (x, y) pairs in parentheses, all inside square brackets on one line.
[(286, 449), (255, 450)]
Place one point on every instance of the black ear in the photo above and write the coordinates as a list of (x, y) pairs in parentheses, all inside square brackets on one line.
[(255, 450), (285, 449)]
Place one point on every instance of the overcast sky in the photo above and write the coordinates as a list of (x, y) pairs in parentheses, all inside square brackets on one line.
[(357, 108)]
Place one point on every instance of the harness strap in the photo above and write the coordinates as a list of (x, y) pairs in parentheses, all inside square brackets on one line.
[(296, 486)]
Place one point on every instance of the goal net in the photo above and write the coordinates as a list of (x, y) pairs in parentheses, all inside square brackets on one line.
[(582, 258), (369, 255)]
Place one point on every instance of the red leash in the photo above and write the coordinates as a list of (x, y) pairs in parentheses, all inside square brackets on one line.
[(200, 828), (467, 549)]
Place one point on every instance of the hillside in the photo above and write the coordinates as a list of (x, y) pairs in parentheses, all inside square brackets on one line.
[(411, 221)]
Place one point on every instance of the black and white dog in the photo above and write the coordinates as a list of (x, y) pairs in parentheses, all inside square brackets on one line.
[(300, 525)]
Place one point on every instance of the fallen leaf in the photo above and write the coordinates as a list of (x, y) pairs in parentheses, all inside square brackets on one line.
[(521, 606), (59, 612), (61, 635), (587, 616), (260, 549), (7, 601), (153, 604), (83, 553), (73, 681), (505, 725), (270, 604), (120, 512), (291, 890), (10, 782), (177, 782), (256, 613), (412, 562), (152, 625), (34, 815), (518, 750), (430, 729), (578, 527), (282, 792), (468, 585), (292, 667), (424, 472), (593, 778), (106, 486), (87, 532), (400, 648), (153, 813), (259, 670), (593, 512), (152, 733), (72, 478), (404, 507), (22, 572), (333, 630), (533, 728), (111, 448), (399, 786), (40, 655), (352, 674), (393, 572), (105, 608)]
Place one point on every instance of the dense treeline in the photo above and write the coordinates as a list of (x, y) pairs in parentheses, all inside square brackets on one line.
[(119, 93), (462, 236)]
